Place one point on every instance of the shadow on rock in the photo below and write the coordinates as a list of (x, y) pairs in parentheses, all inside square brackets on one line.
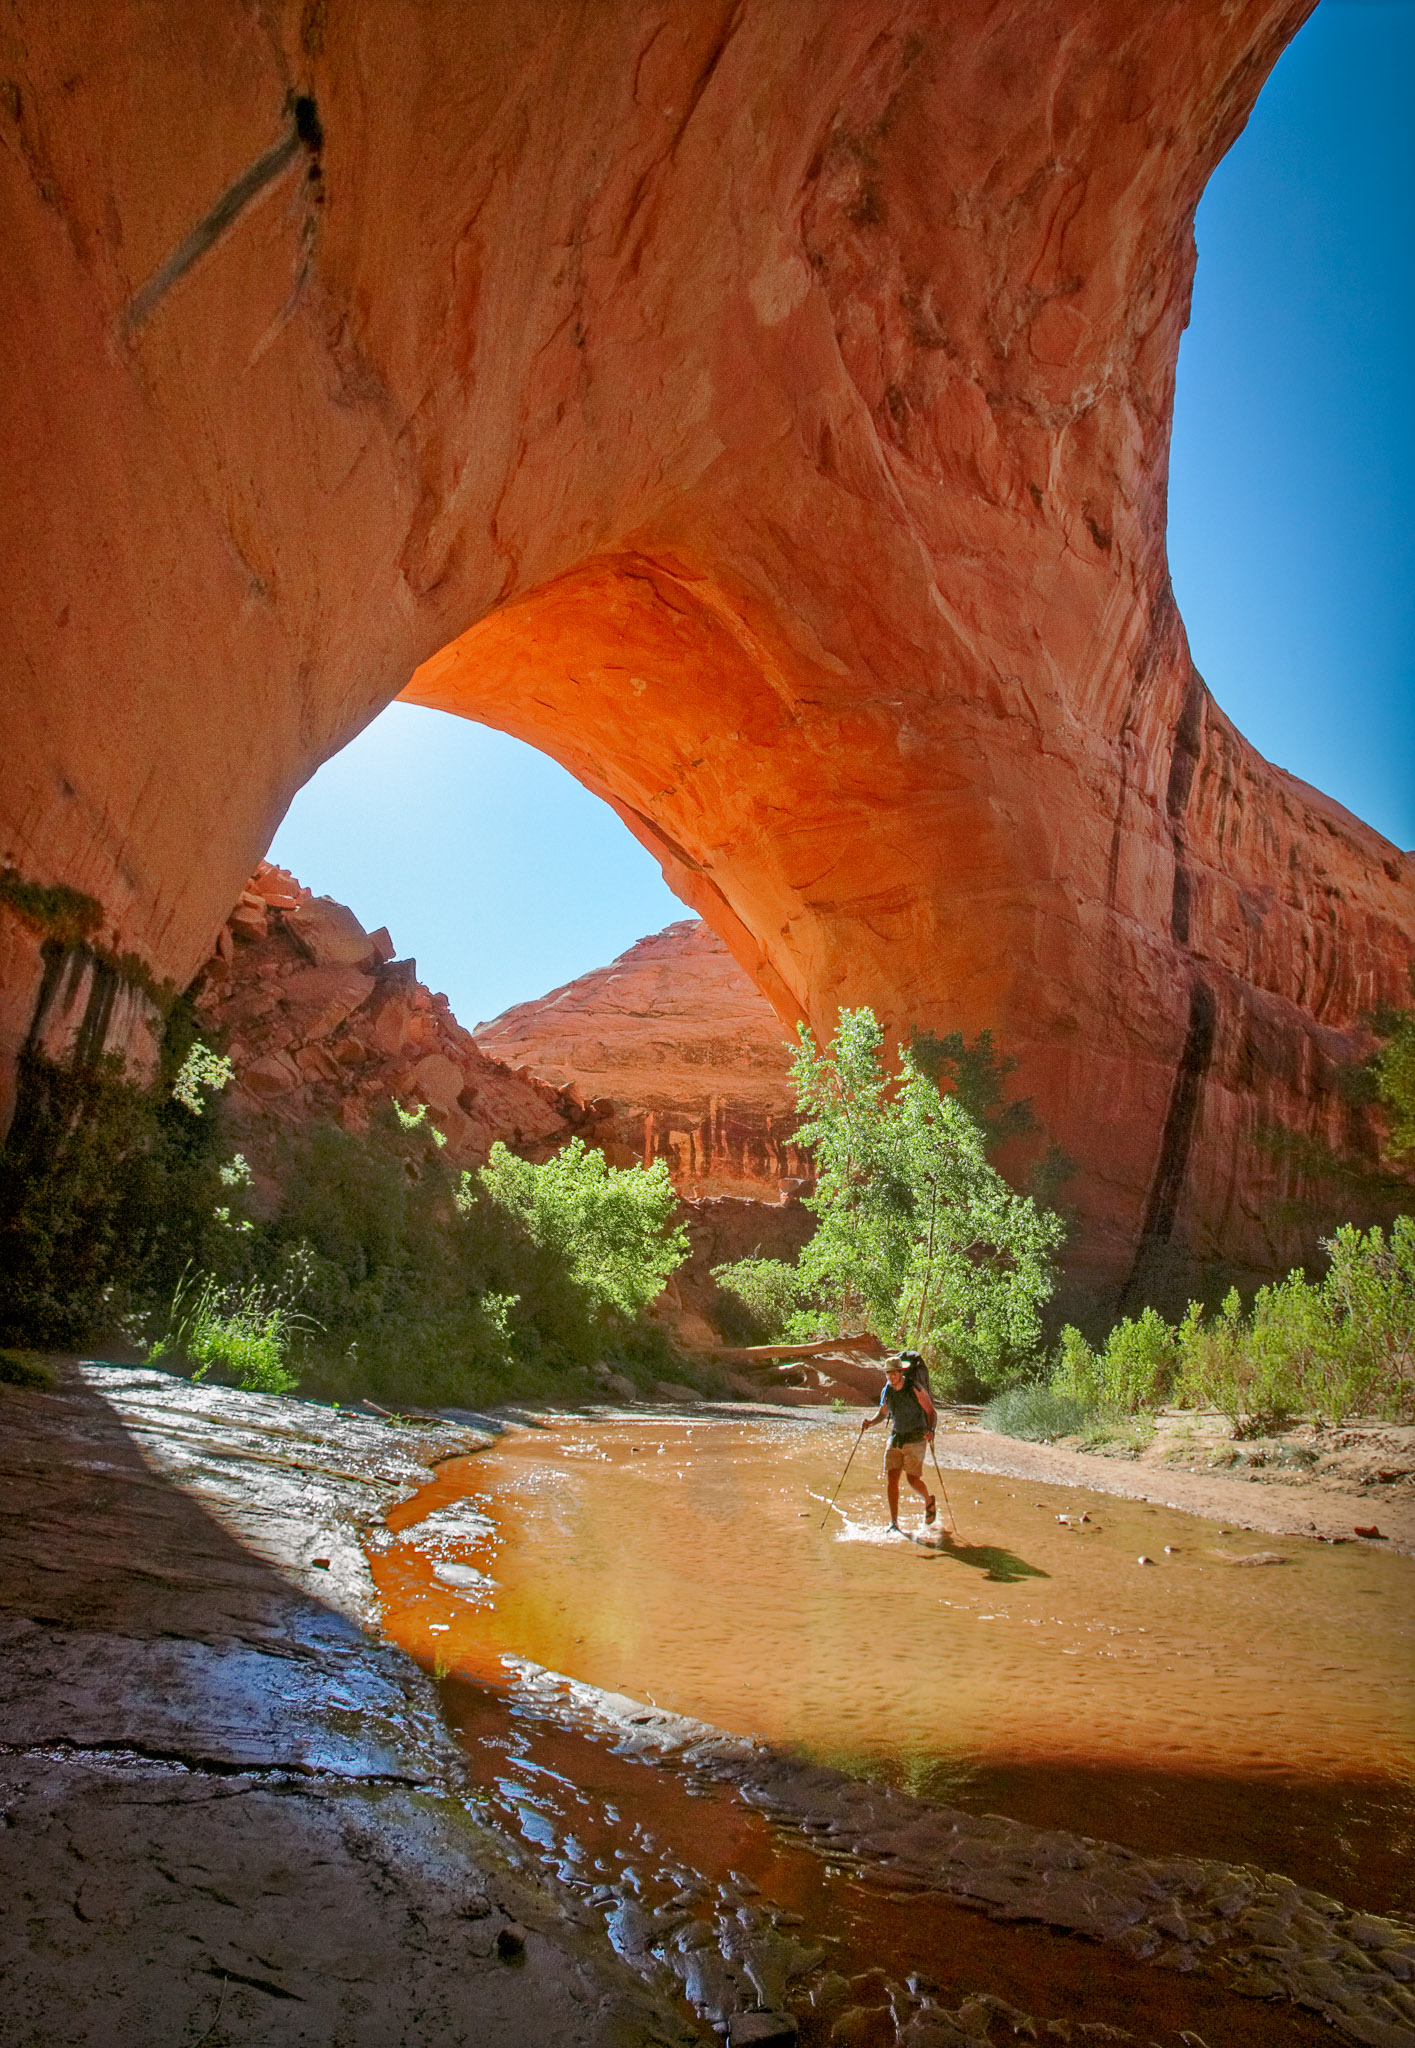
[(226, 1802)]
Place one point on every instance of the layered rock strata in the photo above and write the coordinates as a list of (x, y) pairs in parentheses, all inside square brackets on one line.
[(680, 1058), (322, 1023), (769, 419)]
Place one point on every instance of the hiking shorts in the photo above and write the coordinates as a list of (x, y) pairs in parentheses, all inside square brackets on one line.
[(906, 1458)]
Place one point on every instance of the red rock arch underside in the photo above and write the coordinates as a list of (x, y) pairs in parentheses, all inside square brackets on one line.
[(764, 410)]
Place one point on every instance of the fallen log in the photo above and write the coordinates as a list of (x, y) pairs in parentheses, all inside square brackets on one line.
[(866, 1345)]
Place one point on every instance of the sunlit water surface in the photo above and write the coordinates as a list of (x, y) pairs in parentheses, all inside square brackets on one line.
[(1032, 1666)]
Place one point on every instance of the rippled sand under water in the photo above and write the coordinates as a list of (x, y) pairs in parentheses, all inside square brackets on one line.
[(1258, 1713)]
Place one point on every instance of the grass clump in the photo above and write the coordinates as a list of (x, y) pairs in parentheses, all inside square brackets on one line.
[(1036, 1414), (242, 1332), (24, 1369)]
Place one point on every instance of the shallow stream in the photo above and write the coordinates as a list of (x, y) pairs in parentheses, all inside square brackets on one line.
[(1206, 1704)]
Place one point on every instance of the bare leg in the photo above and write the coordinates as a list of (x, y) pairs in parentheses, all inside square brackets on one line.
[(891, 1487)]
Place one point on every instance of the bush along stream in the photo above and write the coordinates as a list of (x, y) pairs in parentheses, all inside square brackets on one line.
[(350, 1264)]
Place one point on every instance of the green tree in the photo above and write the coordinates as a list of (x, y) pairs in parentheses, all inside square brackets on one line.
[(976, 1075), (1394, 1070), (613, 1227), (918, 1238)]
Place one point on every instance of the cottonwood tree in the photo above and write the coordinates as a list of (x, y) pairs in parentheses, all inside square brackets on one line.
[(918, 1238)]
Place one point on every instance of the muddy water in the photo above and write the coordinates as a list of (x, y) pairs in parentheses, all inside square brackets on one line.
[(1255, 1712)]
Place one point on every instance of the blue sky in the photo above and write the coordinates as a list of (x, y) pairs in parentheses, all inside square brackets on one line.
[(1290, 543), (1291, 536)]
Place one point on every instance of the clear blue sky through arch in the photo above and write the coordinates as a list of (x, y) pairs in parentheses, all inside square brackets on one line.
[(1292, 547), (1291, 535)]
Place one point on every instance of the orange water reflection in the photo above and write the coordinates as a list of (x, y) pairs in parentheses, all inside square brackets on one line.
[(1256, 1713)]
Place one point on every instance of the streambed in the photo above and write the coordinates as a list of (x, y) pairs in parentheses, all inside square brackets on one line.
[(1205, 1705)]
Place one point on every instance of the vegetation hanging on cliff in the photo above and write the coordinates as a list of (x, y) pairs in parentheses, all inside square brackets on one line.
[(1393, 1073), (107, 1192)]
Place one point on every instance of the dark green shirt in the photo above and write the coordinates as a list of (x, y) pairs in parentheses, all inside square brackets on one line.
[(907, 1419)]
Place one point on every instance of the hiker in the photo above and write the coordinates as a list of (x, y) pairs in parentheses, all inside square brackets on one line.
[(906, 1400)]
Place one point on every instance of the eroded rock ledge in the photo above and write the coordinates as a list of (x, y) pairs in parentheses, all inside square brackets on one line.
[(680, 1057)]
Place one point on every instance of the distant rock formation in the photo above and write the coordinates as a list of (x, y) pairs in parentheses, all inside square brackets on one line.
[(321, 1022), (676, 1056)]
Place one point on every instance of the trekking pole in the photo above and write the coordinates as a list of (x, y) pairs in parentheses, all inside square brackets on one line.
[(933, 1453), (848, 1463)]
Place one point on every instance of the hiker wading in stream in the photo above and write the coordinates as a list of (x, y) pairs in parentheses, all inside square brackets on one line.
[(906, 1401)]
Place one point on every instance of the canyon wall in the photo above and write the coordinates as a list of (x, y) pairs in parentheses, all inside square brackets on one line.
[(321, 1023), (678, 1056), (764, 410)]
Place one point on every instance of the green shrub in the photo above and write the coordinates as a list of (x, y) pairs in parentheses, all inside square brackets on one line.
[(1036, 1413), (769, 1293), (1135, 1370), (612, 1226), (1369, 1293), (201, 1069), (1076, 1370), (1141, 1358)]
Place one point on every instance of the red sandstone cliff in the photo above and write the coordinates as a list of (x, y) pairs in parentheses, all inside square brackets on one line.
[(680, 1056), (763, 409), (321, 1022)]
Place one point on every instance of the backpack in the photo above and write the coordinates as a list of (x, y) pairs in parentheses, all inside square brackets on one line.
[(916, 1373)]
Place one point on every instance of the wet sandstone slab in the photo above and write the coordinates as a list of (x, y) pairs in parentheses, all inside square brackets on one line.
[(231, 1813)]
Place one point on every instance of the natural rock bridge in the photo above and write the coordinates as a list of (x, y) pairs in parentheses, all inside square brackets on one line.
[(762, 408)]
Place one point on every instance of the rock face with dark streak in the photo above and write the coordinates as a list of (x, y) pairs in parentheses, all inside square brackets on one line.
[(678, 1056), (764, 410)]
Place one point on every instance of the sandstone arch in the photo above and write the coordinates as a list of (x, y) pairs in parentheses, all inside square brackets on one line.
[(817, 361)]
